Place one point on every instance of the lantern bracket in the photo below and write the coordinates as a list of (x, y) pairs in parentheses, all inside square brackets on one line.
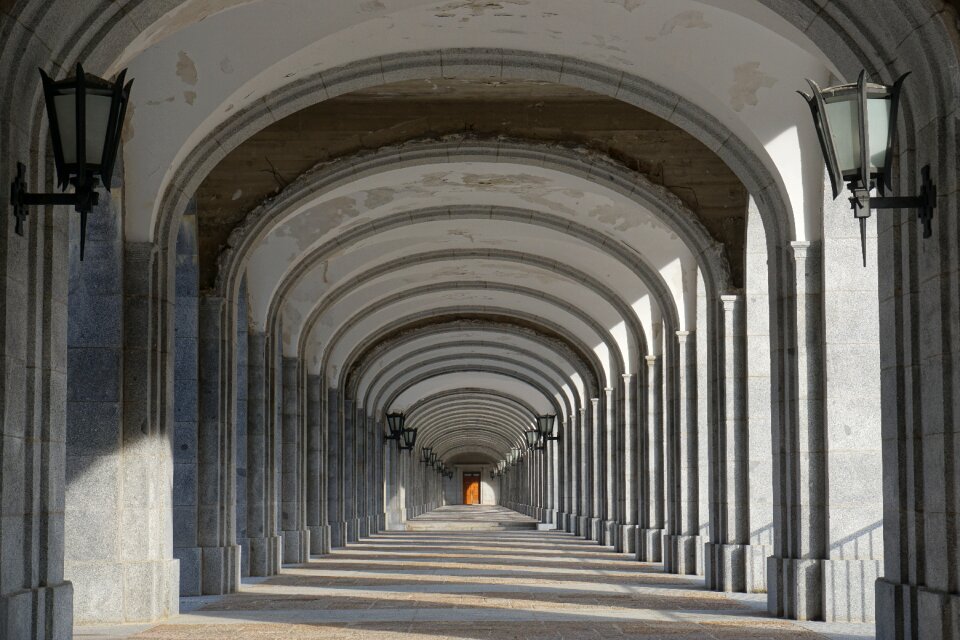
[(862, 203), (83, 200)]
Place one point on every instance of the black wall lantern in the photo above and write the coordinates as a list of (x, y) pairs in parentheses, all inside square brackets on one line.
[(407, 440), (545, 428), (425, 453), (86, 117), (395, 422), (532, 436), (857, 125)]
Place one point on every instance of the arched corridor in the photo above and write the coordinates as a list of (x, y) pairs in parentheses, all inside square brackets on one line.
[(358, 282)]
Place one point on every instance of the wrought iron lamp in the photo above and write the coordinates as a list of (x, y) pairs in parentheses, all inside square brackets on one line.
[(533, 438), (395, 422), (425, 455), (408, 439), (545, 430), (857, 125), (86, 117)]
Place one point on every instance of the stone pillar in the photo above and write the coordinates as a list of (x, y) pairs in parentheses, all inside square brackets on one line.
[(316, 472), (348, 475), (595, 531), (726, 554), (216, 450), (628, 501), (110, 533), (611, 527), (682, 541), (296, 536), (795, 572), (336, 519), (586, 477), (240, 426), (263, 539), (573, 450), (650, 532)]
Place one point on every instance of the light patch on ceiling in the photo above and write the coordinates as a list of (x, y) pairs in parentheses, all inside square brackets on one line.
[(747, 82), (226, 65), (189, 97), (237, 194)]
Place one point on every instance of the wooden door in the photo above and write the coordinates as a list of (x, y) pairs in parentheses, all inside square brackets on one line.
[(471, 488)]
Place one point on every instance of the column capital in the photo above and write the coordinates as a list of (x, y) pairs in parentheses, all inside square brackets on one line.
[(731, 300), (683, 336), (594, 401), (651, 360), (628, 376)]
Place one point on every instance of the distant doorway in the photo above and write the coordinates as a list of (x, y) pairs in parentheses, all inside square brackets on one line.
[(471, 488)]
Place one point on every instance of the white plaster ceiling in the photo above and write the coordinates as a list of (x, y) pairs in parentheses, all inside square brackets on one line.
[(205, 64)]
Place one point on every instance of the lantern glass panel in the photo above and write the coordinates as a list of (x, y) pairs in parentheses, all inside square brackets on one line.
[(878, 119), (843, 114), (97, 118), (545, 425), (409, 437)]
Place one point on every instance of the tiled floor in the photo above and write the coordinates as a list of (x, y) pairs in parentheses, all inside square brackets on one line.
[(478, 584)]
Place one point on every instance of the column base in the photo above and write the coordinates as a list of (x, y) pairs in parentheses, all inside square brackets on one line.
[(611, 530), (296, 546), (352, 527), (735, 567), (649, 545), (901, 608), (628, 539), (363, 527), (120, 592), (830, 590), (264, 556), (583, 527), (595, 530), (54, 607), (680, 555), (319, 539), (573, 524), (549, 517)]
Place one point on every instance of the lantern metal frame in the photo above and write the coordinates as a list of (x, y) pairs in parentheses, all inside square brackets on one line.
[(395, 424), (83, 173), (860, 183), (425, 455)]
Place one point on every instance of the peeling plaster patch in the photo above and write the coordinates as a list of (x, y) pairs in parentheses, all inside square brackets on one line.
[(189, 96), (154, 103), (747, 81), (461, 234), (372, 6), (629, 5), (226, 65), (377, 198), (237, 194), (478, 7), (685, 20), (186, 69)]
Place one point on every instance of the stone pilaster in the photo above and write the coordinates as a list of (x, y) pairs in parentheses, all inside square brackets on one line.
[(296, 536), (611, 448), (586, 478), (650, 531), (264, 542), (628, 497), (595, 532), (216, 450), (336, 519), (682, 543), (316, 468), (727, 553)]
